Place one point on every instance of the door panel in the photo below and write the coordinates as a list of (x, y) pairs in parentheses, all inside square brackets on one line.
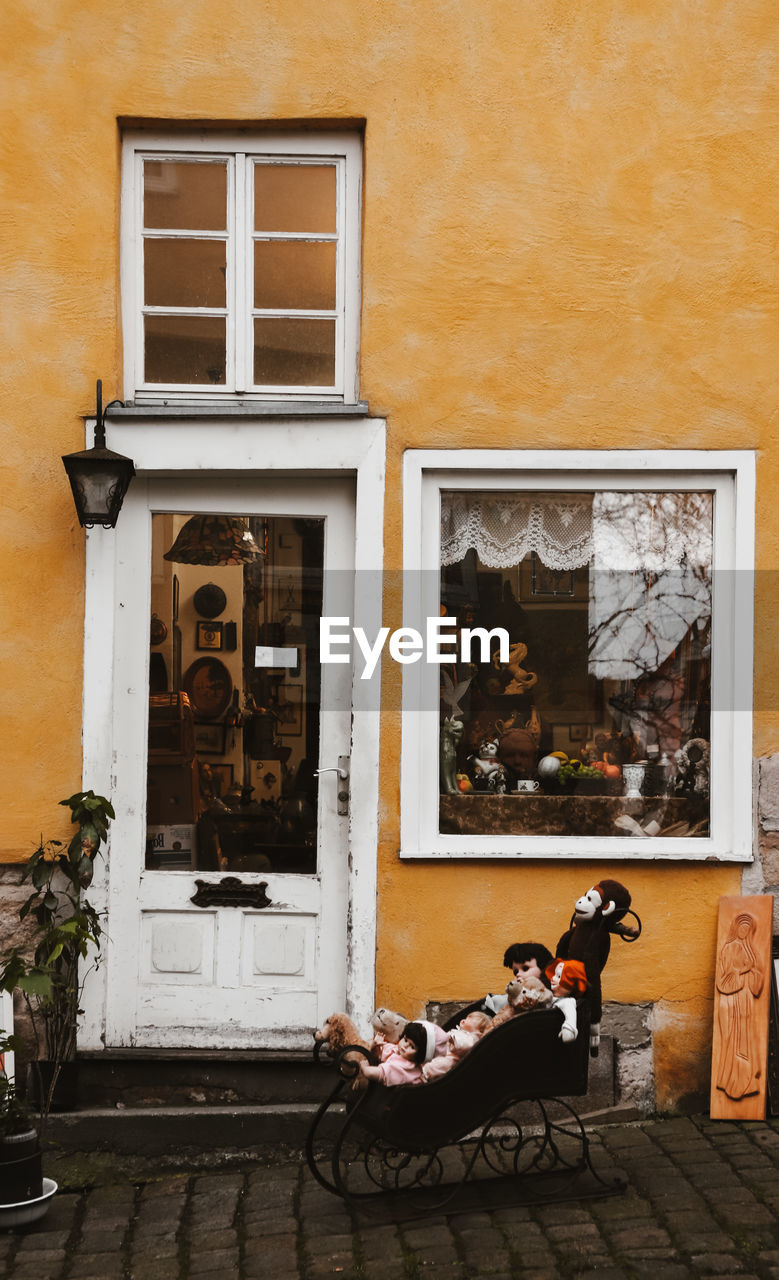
[(229, 752)]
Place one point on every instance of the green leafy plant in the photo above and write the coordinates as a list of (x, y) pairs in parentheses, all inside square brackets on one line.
[(66, 933)]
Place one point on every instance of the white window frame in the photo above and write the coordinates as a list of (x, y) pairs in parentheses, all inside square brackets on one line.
[(240, 150), (731, 476)]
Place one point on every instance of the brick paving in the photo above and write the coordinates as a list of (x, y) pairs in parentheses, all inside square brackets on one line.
[(702, 1200)]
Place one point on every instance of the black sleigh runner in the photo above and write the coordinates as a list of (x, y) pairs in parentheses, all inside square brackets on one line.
[(498, 1128)]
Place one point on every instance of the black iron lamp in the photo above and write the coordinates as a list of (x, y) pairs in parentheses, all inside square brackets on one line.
[(99, 477)]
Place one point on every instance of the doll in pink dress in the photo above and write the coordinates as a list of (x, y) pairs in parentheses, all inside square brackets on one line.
[(402, 1062), (460, 1042)]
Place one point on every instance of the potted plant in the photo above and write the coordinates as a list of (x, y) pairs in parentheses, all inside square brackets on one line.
[(66, 932), (20, 1153)]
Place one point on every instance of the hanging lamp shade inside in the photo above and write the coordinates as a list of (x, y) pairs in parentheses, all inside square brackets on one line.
[(214, 540)]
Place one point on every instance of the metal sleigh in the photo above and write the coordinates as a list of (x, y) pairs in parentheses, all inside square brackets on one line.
[(495, 1130)]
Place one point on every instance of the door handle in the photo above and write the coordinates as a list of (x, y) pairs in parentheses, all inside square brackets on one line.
[(342, 769)]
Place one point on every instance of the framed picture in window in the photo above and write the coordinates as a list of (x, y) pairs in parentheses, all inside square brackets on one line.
[(554, 583), (222, 775), (209, 686), (210, 739), (290, 710), (208, 635)]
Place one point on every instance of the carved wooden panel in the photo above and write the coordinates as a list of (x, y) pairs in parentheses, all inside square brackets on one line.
[(177, 947), (742, 993), (280, 948)]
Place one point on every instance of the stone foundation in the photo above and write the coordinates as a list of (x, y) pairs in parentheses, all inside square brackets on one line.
[(17, 933), (762, 876)]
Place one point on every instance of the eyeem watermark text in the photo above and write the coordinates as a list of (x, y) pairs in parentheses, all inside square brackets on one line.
[(441, 642)]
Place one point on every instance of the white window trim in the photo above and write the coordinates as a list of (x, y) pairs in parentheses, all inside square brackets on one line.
[(345, 149), (732, 475)]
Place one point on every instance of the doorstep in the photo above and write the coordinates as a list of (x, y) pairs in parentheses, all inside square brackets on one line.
[(135, 1078), (161, 1131)]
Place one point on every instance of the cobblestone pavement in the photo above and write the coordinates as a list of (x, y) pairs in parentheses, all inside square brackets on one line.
[(702, 1201)]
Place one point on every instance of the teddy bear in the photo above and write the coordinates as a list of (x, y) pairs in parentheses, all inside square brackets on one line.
[(524, 994), (336, 1032), (387, 1027)]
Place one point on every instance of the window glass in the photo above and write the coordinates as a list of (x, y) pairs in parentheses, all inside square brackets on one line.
[(185, 349), (294, 352), (294, 274), (184, 273), (234, 693), (295, 197), (597, 720), (185, 195)]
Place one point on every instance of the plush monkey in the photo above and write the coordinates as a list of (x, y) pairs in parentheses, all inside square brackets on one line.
[(596, 915)]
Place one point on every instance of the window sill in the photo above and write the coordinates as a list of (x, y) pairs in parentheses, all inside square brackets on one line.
[(570, 816), (239, 409)]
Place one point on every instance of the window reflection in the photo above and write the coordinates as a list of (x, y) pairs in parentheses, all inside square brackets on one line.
[(234, 693)]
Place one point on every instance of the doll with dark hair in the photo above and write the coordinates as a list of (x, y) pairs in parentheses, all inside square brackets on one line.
[(526, 960), (403, 1064)]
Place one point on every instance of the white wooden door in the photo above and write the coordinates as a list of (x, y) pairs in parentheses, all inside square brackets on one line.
[(184, 969)]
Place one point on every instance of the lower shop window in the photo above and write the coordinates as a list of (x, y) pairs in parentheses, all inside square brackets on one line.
[(586, 694)]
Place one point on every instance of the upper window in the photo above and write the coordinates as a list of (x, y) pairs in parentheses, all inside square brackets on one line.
[(587, 694), (240, 273)]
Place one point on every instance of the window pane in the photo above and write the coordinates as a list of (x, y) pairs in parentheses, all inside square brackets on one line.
[(295, 274), (189, 349), (232, 744), (185, 195), (598, 720), (184, 273), (295, 197), (294, 352)]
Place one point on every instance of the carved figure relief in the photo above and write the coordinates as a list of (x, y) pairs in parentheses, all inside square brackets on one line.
[(740, 981), (741, 1004)]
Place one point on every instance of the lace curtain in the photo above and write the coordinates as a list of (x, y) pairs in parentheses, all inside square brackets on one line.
[(654, 532), (504, 527)]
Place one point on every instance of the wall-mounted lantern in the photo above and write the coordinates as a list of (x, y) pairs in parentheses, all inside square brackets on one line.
[(99, 477)]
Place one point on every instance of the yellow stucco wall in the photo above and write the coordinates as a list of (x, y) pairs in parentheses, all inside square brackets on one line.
[(567, 243)]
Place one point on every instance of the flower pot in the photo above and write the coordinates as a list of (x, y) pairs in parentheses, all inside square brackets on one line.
[(20, 1168)]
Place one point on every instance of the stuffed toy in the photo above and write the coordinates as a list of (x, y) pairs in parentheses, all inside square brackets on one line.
[(337, 1031), (596, 915), (524, 994), (568, 980), (487, 773), (460, 1043), (387, 1026)]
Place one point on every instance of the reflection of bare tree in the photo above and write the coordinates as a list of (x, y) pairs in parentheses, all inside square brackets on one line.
[(650, 609), (739, 982)]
